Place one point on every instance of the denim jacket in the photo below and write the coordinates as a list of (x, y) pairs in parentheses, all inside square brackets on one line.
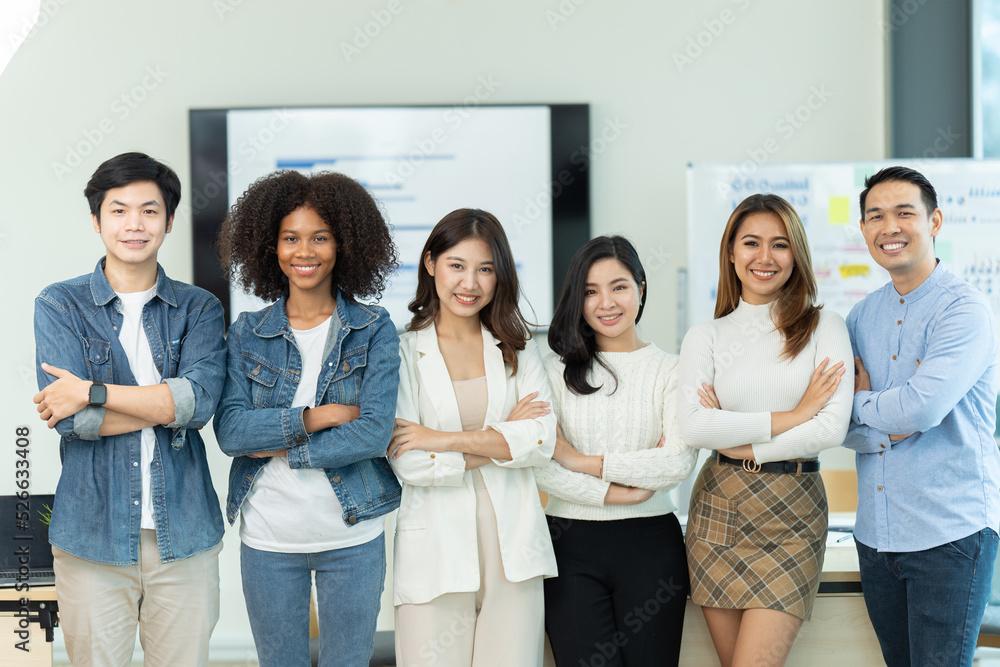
[(362, 368), (98, 505)]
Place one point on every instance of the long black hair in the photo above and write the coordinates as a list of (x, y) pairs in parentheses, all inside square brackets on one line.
[(570, 336)]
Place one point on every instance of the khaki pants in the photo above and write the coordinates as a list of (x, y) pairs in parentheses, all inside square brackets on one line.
[(501, 624), (176, 605)]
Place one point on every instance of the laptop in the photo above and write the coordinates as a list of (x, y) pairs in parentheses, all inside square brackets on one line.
[(25, 553)]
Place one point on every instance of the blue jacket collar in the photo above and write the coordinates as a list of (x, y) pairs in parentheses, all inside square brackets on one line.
[(274, 319), (103, 293)]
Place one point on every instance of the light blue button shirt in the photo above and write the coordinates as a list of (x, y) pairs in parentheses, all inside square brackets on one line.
[(943, 482)]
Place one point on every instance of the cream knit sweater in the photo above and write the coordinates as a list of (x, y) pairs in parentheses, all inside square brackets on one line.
[(625, 425), (739, 355)]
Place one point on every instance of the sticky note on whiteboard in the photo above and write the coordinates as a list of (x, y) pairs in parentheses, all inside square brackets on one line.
[(840, 210), (850, 270)]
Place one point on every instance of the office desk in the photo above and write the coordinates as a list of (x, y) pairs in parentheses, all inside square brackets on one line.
[(42, 616)]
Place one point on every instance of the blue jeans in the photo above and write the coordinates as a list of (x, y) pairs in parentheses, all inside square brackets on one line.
[(278, 586), (926, 606)]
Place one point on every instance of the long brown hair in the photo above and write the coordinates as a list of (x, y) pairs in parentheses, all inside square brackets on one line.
[(502, 315), (794, 312)]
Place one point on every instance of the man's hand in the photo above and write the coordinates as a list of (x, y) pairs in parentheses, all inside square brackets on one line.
[(861, 380), (63, 398)]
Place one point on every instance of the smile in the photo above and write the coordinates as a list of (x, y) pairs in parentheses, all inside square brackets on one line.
[(135, 243), (609, 319), (466, 299), (762, 274), (895, 245), (305, 269)]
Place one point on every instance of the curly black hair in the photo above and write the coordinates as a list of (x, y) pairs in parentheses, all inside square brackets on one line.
[(366, 255)]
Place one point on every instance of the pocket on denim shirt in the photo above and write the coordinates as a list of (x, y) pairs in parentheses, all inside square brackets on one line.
[(173, 357), (98, 359), (345, 386), (262, 380)]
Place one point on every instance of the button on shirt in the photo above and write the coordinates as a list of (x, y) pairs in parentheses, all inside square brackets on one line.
[(932, 358)]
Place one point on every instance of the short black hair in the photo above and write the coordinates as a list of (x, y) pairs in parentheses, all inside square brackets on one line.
[(905, 175), (121, 170)]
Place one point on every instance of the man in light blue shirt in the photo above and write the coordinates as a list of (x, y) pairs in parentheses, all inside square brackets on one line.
[(922, 427)]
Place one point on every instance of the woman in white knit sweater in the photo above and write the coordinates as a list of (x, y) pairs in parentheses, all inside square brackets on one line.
[(620, 594), (761, 385)]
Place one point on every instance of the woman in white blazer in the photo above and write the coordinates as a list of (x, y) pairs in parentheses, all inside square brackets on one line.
[(473, 421)]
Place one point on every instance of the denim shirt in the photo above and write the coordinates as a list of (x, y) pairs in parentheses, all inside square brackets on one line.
[(361, 368), (97, 512)]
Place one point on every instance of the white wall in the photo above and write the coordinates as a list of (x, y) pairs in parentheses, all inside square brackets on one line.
[(758, 61)]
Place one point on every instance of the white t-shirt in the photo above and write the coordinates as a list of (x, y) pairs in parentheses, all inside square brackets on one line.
[(140, 360), (297, 511)]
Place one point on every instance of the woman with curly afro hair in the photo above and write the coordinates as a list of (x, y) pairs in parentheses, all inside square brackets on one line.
[(307, 412)]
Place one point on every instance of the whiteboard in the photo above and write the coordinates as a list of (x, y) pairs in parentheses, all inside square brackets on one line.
[(826, 198)]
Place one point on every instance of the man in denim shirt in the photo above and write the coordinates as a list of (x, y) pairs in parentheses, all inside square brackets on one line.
[(130, 366), (923, 423)]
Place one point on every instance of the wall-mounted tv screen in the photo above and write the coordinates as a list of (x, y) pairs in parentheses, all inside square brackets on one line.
[(526, 164)]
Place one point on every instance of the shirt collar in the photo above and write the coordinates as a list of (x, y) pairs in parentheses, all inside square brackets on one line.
[(925, 287), (103, 293), (351, 314)]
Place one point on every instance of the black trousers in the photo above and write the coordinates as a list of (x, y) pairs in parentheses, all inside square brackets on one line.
[(620, 595)]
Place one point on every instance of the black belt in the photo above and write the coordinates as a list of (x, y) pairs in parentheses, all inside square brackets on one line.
[(788, 467)]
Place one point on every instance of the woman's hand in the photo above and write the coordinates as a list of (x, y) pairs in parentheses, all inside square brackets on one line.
[(567, 456), (526, 408), (626, 495), (267, 455), (708, 398), (741, 452), (821, 387), (329, 415), (411, 435)]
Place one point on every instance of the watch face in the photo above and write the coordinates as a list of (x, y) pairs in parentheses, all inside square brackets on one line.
[(98, 394)]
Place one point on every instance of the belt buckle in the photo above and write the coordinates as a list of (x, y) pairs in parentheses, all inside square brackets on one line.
[(751, 466)]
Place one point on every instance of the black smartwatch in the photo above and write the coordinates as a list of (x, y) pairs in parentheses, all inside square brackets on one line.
[(98, 394)]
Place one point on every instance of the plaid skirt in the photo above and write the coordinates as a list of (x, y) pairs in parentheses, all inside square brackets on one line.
[(756, 540)]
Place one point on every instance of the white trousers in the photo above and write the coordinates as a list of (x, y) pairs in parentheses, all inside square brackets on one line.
[(500, 625), (176, 606)]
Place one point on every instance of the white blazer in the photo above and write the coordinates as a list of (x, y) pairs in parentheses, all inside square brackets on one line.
[(436, 549)]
